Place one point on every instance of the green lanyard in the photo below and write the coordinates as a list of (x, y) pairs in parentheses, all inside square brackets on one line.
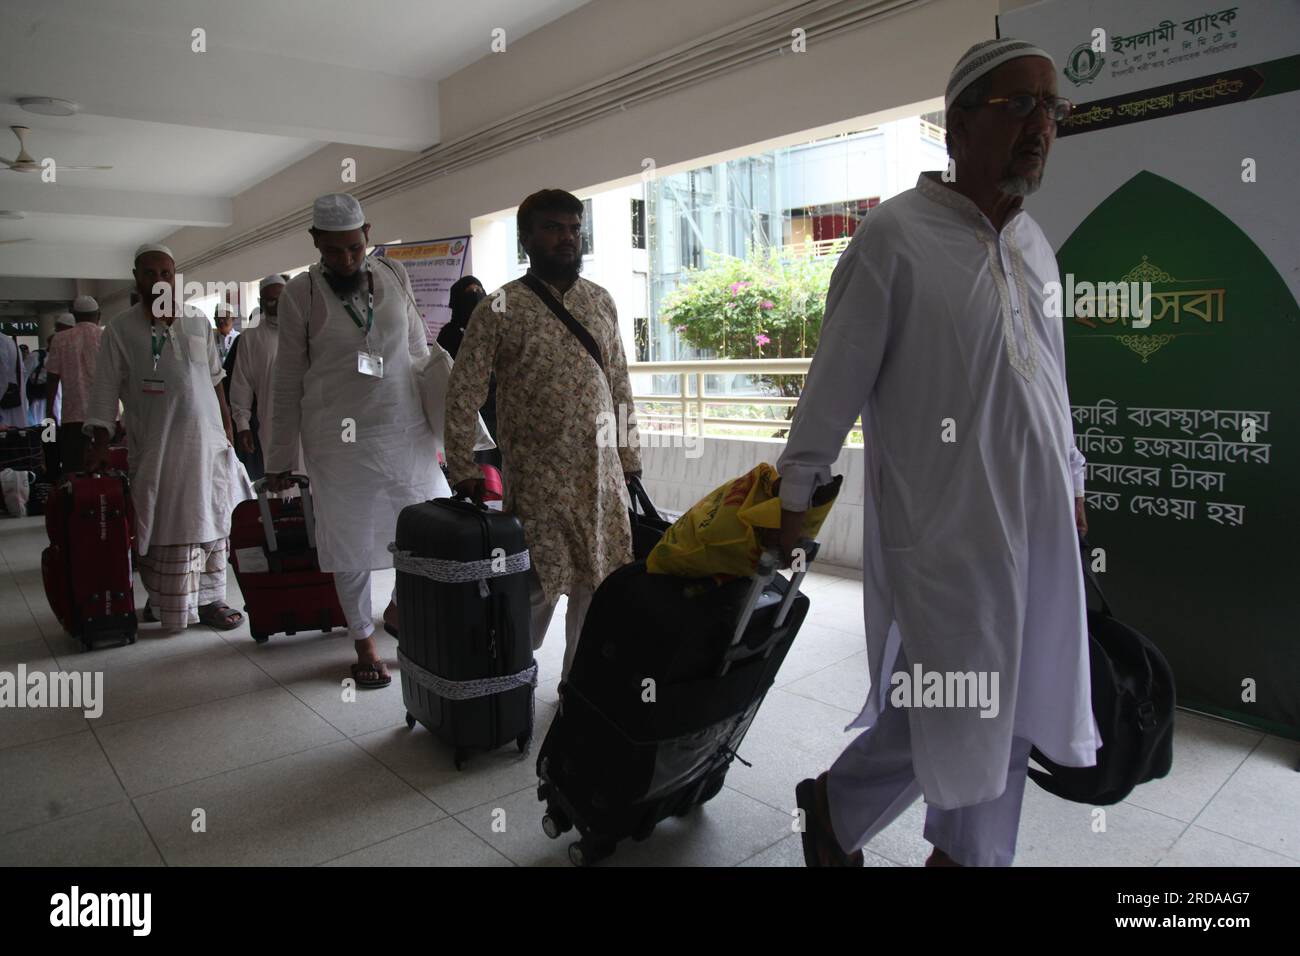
[(156, 343), (370, 305)]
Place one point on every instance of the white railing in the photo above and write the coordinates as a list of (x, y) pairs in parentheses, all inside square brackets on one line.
[(816, 248), (931, 131), (689, 412)]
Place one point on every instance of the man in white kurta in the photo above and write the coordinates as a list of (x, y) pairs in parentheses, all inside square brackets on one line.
[(254, 371), (225, 332), (936, 333), (345, 385), (184, 478), (73, 353), (12, 373)]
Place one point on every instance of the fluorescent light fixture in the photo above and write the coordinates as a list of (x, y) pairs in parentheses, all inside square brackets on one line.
[(49, 106)]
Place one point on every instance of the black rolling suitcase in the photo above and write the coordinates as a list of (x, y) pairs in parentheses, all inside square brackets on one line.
[(465, 650), (624, 754)]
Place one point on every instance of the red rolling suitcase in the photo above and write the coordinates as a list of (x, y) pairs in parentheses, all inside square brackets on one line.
[(87, 567), (273, 551)]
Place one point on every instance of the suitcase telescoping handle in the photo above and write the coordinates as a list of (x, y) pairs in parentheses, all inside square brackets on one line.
[(268, 523), (768, 563)]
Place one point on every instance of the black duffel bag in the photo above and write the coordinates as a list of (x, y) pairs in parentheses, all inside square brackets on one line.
[(1133, 702)]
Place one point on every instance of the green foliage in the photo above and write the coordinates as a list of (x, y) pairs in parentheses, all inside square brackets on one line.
[(767, 305)]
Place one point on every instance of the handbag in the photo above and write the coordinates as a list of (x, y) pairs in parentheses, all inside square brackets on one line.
[(1133, 703), (648, 526)]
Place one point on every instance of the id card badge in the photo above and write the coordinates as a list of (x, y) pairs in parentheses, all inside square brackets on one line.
[(154, 386), (372, 365)]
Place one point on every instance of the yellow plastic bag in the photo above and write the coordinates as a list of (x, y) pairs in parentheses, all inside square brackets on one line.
[(722, 535)]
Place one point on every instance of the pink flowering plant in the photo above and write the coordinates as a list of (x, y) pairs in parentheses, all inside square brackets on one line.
[(767, 305)]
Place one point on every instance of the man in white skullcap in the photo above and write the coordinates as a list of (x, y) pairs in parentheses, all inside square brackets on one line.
[(935, 332), (159, 359), (350, 341), (252, 375), (73, 351), (223, 317)]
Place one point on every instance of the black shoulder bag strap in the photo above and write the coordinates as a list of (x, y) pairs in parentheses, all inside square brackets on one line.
[(560, 312)]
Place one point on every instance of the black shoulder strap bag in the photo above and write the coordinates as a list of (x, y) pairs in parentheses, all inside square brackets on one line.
[(560, 312), (1133, 698)]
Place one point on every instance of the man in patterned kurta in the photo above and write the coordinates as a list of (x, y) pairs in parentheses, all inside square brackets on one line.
[(564, 483)]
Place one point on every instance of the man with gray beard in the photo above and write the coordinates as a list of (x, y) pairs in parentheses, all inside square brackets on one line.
[(935, 332)]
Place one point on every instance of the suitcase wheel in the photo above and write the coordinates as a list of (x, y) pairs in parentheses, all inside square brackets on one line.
[(522, 742), (555, 823), (461, 757), (713, 788), (260, 637), (410, 721), (589, 850)]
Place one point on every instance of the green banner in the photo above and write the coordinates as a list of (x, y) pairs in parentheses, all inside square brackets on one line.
[(1190, 429), (1175, 179)]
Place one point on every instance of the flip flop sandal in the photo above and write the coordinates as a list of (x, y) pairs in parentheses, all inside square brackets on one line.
[(382, 680), (220, 616), (820, 847)]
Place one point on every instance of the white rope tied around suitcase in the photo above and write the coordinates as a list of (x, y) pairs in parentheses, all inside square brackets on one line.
[(460, 572), (480, 687)]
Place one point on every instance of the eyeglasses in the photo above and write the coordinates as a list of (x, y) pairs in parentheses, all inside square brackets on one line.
[(1021, 105)]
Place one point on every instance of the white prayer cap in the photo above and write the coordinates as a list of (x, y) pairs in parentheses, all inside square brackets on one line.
[(337, 212), (85, 303), (65, 319), (982, 58), (273, 279), (153, 247)]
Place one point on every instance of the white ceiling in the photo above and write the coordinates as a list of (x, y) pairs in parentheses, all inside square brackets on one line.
[(420, 39), (187, 132)]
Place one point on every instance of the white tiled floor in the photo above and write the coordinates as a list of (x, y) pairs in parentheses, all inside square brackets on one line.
[(215, 750)]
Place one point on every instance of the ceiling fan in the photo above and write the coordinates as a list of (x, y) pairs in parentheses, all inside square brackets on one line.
[(25, 164)]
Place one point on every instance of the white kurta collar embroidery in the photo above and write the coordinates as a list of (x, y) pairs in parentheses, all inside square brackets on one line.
[(1024, 361)]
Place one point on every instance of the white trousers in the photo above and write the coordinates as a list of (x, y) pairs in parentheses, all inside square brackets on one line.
[(873, 782), (541, 611), (353, 589)]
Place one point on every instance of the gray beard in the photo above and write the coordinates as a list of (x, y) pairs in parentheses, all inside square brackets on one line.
[(1019, 185)]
